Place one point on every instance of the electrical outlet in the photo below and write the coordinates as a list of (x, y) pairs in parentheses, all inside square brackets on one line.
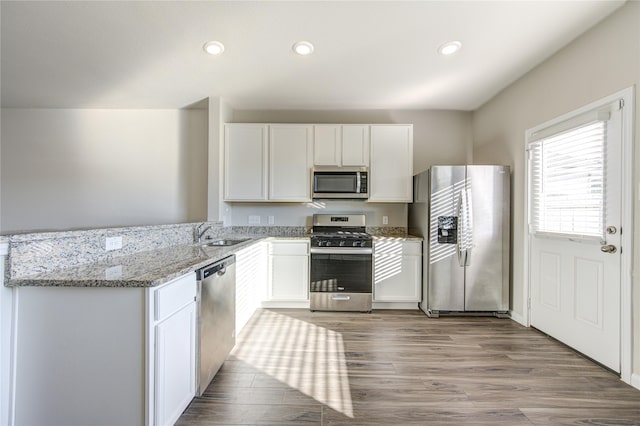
[(272, 220), (113, 273), (254, 220), (385, 220), (113, 243)]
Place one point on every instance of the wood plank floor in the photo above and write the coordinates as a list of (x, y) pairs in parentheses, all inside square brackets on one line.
[(293, 367)]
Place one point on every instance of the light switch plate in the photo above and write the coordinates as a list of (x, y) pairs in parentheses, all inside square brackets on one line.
[(272, 220), (254, 220), (385, 220), (113, 243)]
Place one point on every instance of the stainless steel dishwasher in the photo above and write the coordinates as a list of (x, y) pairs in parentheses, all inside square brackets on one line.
[(216, 318)]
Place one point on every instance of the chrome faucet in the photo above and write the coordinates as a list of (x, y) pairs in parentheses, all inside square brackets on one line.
[(197, 234)]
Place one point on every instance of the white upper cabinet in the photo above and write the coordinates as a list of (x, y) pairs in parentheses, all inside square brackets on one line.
[(341, 145), (355, 145), (272, 162), (265, 162), (327, 145), (290, 159), (391, 168), (245, 162)]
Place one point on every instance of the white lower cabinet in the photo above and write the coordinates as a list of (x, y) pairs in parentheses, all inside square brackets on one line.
[(174, 368), (175, 349), (104, 355), (251, 281), (288, 273), (397, 274)]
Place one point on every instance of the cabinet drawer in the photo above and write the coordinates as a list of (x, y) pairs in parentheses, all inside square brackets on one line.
[(289, 248), (398, 247), (174, 295)]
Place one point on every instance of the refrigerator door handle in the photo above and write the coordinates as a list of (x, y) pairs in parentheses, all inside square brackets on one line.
[(461, 231), (468, 234)]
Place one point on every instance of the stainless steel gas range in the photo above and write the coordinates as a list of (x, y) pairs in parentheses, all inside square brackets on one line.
[(341, 264)]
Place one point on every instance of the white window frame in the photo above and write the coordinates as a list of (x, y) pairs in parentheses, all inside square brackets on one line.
[(535, 219)]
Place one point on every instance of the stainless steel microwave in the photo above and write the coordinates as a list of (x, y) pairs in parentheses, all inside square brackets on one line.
[(340, 182)]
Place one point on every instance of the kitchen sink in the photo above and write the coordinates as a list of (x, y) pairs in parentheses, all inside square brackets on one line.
[(225, 242)]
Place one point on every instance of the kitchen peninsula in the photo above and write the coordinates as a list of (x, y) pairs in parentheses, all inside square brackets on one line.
[(102, 338), (106, 338)]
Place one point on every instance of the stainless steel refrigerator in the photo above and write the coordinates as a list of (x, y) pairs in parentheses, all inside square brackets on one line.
[(462, 212)]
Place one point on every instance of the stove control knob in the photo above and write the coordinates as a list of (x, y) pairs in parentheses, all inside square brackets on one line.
[(327, 243), (355, 244), (341, 243)]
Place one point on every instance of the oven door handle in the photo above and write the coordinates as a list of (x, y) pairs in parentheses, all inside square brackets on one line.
[(339, 250)]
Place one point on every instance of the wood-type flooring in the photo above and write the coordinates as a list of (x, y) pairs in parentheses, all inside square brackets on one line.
[(295, 367)]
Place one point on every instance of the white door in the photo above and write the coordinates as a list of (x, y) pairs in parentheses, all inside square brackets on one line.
[(575, 219)]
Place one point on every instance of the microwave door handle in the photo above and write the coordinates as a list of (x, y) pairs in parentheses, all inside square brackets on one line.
[(358, 182)]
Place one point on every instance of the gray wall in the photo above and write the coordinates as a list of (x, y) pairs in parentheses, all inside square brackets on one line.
[(91, 168), (603, 61)]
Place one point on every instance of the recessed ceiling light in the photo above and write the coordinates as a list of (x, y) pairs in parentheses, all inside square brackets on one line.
[(303, 48), (213, 47), (449, 48)]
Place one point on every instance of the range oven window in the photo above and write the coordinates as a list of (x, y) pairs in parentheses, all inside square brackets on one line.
[(349, 273)]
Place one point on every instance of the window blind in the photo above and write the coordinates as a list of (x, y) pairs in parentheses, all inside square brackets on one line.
[(567, 182)]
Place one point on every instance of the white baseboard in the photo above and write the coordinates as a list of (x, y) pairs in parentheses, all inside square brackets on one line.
[(635, 380), (285, 304), (305, 305), (396, 305), (517, 318)]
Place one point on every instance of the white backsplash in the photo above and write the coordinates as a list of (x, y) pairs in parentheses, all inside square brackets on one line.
[(300, 214)]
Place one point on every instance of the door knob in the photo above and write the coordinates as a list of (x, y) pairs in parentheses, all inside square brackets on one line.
[(608, 248)]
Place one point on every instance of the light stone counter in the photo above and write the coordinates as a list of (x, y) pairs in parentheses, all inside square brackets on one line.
[(143, 269), (150, 255)]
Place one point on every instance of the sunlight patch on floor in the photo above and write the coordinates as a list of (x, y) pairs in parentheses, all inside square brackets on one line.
[(304, 356)]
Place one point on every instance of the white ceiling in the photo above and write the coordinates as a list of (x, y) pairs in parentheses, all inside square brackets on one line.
[(368, 54)]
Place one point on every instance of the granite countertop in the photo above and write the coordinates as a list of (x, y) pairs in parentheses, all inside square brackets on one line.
[(154, 267), (142, 269)]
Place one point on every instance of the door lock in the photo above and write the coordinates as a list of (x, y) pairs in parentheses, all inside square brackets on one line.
[(611, 230), (609, 248)]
